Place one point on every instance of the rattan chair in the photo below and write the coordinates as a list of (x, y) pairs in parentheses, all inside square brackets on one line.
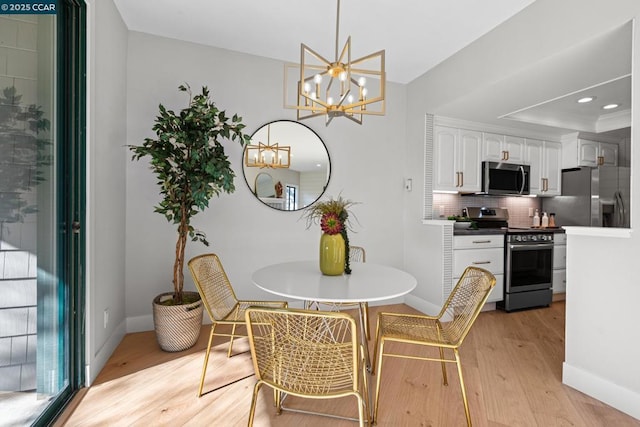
[(356, 254), (220, 302), (447, 330), (309, 354)]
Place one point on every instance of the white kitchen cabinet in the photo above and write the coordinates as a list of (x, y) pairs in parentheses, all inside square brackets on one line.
[(502, 148), (584, 152), (559, 279), (456, 159), (545, 161), (484, 251), (594, 154)]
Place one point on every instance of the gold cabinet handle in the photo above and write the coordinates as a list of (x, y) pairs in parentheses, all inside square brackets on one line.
[(545, 184), (481, 262), (481, 241)]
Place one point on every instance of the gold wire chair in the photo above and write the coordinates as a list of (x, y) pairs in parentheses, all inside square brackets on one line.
[(356, 254), (447, 330), (220, 302), (310, 354)]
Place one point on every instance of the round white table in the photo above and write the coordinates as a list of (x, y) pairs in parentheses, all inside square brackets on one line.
[(303, 280), (368, 282)]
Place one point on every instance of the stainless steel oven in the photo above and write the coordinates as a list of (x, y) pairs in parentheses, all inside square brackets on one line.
[(528, 270)]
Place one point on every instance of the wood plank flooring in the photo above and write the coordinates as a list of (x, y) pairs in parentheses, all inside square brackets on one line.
[(512, 366)]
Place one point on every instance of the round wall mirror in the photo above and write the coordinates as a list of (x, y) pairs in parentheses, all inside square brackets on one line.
[(287, 165)]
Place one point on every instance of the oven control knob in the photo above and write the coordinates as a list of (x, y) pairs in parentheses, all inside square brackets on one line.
[(518, 238), (534, 238)]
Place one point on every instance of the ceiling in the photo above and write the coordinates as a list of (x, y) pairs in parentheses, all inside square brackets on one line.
[(416, 36)]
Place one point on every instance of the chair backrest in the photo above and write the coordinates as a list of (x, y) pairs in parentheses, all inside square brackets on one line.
[(213, 285), (465, 302), (311, 353), (357, 254)]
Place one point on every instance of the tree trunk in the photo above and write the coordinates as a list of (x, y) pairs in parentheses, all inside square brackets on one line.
[(178, 267)]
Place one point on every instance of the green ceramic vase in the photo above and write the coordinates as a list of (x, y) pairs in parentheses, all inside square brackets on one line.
[(332, 253)]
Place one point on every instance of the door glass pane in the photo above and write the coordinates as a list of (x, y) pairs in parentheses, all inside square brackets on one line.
[(33, 321)]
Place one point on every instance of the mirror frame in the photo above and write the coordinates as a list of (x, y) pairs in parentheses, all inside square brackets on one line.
[(275, 203)]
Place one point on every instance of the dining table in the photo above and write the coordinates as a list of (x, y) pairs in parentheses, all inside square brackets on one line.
[(368, 282)]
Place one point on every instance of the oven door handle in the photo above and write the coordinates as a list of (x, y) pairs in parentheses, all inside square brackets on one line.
[(530, 247)]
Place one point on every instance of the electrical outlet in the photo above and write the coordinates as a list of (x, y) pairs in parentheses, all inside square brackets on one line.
[(106, 317), (408, 184), (530, 212), (441, 211)]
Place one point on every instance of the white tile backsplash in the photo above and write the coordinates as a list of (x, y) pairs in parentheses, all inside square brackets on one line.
[(518, 207)]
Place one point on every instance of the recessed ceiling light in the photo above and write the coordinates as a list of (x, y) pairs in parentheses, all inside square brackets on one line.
[(586, 99), (610, 106)]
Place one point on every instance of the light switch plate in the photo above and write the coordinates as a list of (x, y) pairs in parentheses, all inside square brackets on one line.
[(408, 184)]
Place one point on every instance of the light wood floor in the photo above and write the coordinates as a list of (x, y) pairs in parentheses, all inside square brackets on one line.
[(512, 365)]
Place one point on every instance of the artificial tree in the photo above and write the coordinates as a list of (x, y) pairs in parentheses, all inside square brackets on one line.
[(189, 161)]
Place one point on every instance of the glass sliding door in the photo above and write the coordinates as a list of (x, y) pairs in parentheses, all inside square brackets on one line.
[(41, 209)]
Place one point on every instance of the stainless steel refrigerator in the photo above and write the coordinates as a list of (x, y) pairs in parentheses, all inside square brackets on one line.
[(592, 197)]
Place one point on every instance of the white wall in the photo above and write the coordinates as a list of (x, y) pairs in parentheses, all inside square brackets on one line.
[(106, 161), (245, 233), (602, 294)]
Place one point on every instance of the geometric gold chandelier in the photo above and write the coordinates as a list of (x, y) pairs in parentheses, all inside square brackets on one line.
[(339, 88), (266, 155)]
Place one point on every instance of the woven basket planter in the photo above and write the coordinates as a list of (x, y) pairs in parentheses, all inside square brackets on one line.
[(177, 326)]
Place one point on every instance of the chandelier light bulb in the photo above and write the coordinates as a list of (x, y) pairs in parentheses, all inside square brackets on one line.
[(364, 91), (343, 76), (350, 99), (317, 79), (314, 95), (307, 87), (330, 100), (362, 81)]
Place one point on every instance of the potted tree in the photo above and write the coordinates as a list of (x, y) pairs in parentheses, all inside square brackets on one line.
[(190, 164)]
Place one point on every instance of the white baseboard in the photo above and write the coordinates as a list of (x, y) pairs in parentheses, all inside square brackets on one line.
[(140, 323), (95, 364), (421, 305), (621, 398)]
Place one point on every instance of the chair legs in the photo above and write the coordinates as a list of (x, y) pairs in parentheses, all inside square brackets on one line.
[(377, 365), (464, 393), (254, 399), (206, 359), (377, 370), (233, 334), (208, 352), (364, 307)]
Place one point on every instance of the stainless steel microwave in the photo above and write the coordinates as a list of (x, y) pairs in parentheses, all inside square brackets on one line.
[(505, 178)]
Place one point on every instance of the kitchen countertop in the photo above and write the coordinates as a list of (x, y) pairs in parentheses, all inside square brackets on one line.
[(471, 232), (481, 231)]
